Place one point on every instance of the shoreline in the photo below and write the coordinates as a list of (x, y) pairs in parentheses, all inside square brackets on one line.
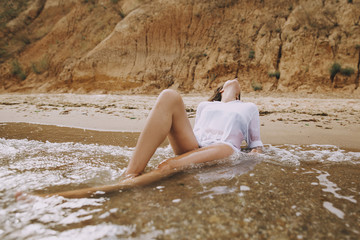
[(284, 119)]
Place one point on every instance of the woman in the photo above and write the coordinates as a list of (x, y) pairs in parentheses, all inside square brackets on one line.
[(220, 127)]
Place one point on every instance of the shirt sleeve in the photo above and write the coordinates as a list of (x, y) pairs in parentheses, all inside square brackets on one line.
[(254, 139)]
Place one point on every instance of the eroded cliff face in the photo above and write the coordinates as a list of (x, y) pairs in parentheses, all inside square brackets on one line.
[(145, 46)]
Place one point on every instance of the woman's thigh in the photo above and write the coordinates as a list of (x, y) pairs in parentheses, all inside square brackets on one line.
[(200, 155), (181, 135)]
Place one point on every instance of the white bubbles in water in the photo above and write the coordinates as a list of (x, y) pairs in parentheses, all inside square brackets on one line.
[(100, 231), (244, 188), (329, 206), (218, 190), (332, 187), (34, 164), (293, 155), (36, 216), (280, 155)]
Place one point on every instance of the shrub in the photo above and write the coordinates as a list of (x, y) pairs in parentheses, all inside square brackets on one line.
[(256, 86), (348, 71), (334, 69), (252, 54), (275, 74), (17, 71)]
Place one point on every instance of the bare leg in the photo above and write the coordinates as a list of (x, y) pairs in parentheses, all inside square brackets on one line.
[(167, 118), (201, 155), (165, 169)]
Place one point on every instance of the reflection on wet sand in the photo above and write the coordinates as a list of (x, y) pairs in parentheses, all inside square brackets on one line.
[(289, 192), (65, 134)]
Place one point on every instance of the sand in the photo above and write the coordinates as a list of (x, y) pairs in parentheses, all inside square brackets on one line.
[(285, 118)]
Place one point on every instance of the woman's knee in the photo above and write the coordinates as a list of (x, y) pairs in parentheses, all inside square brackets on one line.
[(170, 96), (169, 93)]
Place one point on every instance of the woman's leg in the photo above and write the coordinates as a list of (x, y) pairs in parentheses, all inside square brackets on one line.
[(167, 118), (180, 163), (165, 169), (197, 156)]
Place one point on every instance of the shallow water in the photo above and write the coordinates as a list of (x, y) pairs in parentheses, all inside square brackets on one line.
[(289, 192)]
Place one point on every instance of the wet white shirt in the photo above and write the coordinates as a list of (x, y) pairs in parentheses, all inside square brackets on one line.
[(230, 123)]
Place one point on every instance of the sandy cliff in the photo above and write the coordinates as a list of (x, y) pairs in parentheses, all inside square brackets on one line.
[(190, 45)]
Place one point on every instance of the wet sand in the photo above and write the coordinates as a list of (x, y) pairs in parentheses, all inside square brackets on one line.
[(285, 119)]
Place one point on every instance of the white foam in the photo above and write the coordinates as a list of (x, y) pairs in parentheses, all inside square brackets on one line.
[(329, 206), (293, 155), (100, 231), (218, 190), (244, 188), (280, 155), (332, 187), (37, 164)]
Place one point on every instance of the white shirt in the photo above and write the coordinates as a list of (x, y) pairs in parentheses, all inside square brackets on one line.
[(229, 123)]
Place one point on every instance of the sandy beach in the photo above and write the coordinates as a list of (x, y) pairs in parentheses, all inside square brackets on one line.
[(285, 118)]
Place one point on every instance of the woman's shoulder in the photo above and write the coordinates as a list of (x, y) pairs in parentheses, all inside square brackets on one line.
[(205, 103), (241, 103), (248, 106), (201, 105), (251, 104)]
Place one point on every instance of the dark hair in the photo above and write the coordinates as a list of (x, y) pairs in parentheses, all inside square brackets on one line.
[(217, 95)]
